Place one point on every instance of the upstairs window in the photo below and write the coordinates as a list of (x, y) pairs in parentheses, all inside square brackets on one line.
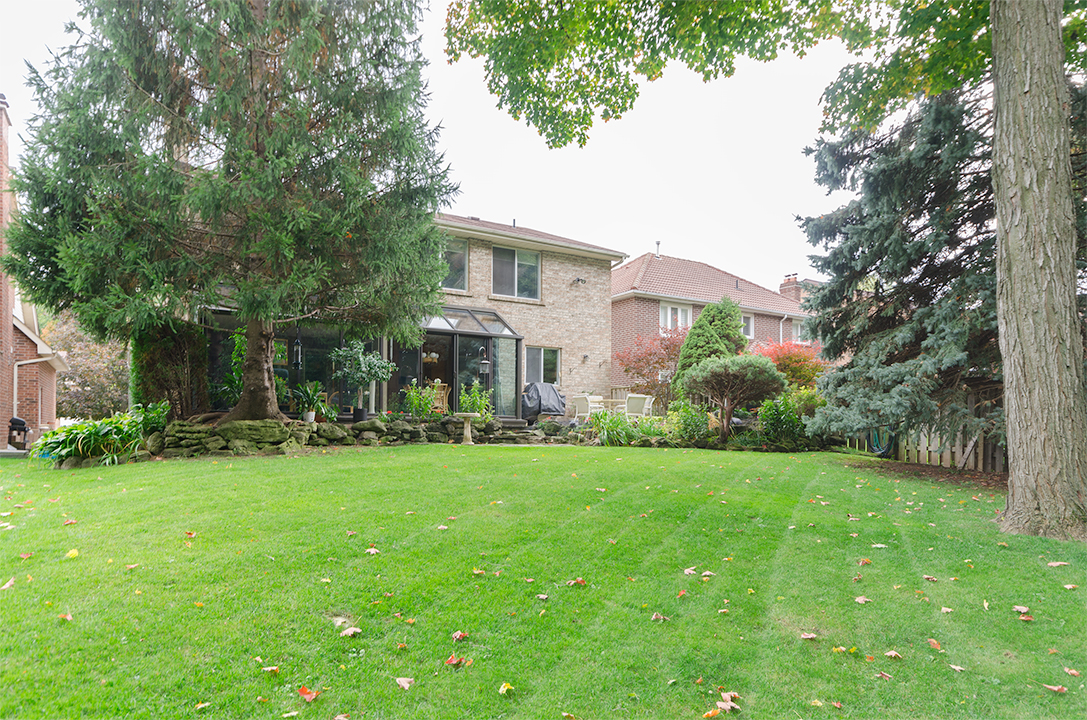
[(749, 326), (515, 273), (456, 258), (675, 316)]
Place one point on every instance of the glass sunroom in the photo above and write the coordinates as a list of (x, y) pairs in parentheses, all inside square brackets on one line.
[(462, 347)]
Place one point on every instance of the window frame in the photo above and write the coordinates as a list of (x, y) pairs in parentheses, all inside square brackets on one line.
[(448, 247), (517, 254), (530, 377), (747, 326), (665, 315)]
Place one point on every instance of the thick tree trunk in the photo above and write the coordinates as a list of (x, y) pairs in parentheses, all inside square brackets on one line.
[(258, 400), (1045, 396)]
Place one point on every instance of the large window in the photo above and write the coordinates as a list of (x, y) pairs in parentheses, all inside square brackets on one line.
[(675, 316), (515, 273), (456, 257), (542, 365)]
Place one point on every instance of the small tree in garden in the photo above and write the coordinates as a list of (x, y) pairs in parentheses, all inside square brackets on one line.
[(360, 368), (800, 364), (652, 362), (97, 384), (717, 332), (733, 381)]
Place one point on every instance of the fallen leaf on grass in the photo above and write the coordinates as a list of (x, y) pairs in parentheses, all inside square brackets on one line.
[(956, 668), (837, 704), (351, 532), (405, 683), (505, 687), (1055, 564), (454, 661), (929, 578), (442, 527), (1066, 587), (350, 632), (946, 610), (726, 704), (1056, 688), (690, 570), (934, 643), (839, 649), (541, 597), (201, 706), (190, 534), (883, 675), (878, 545), (458, 636), (477, 571), (70, 522), (1026, 618), (1073, 673), (568, 716), (864, 561), (73, 553), (27, 556), (307, 694), (893, 655), (9, 584), (65, 616), (292, 713), (709, 574), (862, 599), (681, 593), (575, 581), (658, 616), (271, 669), (132, 567), (342, 716), (817, 703), (808, 636), (712, 713), (1021, 608), (372, 551)]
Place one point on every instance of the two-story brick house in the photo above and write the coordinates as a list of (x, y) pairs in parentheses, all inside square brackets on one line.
[(28, 366), (654, 291), (536, 306)]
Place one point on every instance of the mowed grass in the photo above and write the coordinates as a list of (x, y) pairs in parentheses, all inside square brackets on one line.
[(278, 548)]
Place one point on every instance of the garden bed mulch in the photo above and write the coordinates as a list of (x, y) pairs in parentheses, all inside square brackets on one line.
[(951, 476)]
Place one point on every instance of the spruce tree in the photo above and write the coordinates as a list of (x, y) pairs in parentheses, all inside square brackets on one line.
[(269, 157), (717, 332)]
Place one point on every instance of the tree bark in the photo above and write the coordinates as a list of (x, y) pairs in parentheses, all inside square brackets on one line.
[(1045, 395), (258, 399)]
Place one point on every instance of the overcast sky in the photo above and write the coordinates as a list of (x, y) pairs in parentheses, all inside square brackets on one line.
[(714, 172)]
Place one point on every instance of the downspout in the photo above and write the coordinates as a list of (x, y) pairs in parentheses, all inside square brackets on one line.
[(781, 328), (15, 381)]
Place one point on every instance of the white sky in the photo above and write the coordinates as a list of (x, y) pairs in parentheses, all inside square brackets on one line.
[(715, 171)]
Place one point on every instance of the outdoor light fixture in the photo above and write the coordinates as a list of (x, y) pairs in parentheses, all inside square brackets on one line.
[(579, 281), (484, 363), (298, 350)]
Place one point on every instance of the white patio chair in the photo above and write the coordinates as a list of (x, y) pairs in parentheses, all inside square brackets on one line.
[(638, 405), (586, 405)]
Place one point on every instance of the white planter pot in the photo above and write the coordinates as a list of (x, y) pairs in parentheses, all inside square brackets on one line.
[(309, 415)]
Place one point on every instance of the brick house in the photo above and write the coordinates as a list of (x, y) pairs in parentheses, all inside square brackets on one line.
[(519, 306), (536, 305), (28, 366), (654, 291)]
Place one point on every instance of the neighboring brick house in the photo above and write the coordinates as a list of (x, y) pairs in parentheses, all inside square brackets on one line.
[(28, 366), (654, 291), (551, 296)]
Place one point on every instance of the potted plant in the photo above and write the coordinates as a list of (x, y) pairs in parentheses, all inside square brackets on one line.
[(360, 368), (309, 399)]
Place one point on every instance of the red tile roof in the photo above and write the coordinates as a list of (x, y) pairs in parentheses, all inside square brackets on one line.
[(470, 223), (697, 282)]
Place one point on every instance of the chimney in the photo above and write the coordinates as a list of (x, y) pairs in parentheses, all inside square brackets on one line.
[(791, 288)]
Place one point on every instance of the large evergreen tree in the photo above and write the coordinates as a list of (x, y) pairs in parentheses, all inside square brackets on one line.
[(267, 156)]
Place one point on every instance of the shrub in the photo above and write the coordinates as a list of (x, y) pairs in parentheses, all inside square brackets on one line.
[(114, 439), (687, 421), (781, 425), (474, 399), (613, 429), (734, 381), (419, 401)]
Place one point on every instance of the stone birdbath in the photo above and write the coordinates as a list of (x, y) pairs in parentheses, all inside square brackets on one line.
[(467, 417)]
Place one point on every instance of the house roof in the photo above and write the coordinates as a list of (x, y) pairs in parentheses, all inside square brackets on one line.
[(522, 236), (694, 282)]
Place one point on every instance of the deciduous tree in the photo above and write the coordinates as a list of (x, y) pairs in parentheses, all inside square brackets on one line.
[(800, 364), (272, 157), (97, 384), (651, 363)]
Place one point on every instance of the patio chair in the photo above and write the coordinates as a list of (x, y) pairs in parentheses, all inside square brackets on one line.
[(638, 405), (586, 405), (441, 397)]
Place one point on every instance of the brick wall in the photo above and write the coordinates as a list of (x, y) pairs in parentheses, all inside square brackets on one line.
[(630, 318), (573, 317), (7, 293)]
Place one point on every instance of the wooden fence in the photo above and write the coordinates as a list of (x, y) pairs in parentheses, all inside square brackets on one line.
[(974, 453)]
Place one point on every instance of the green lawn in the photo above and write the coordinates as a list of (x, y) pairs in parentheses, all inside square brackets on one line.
[(468, 538)]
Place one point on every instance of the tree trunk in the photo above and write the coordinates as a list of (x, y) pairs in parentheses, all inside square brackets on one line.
[(258, 400), (1045, 396)]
